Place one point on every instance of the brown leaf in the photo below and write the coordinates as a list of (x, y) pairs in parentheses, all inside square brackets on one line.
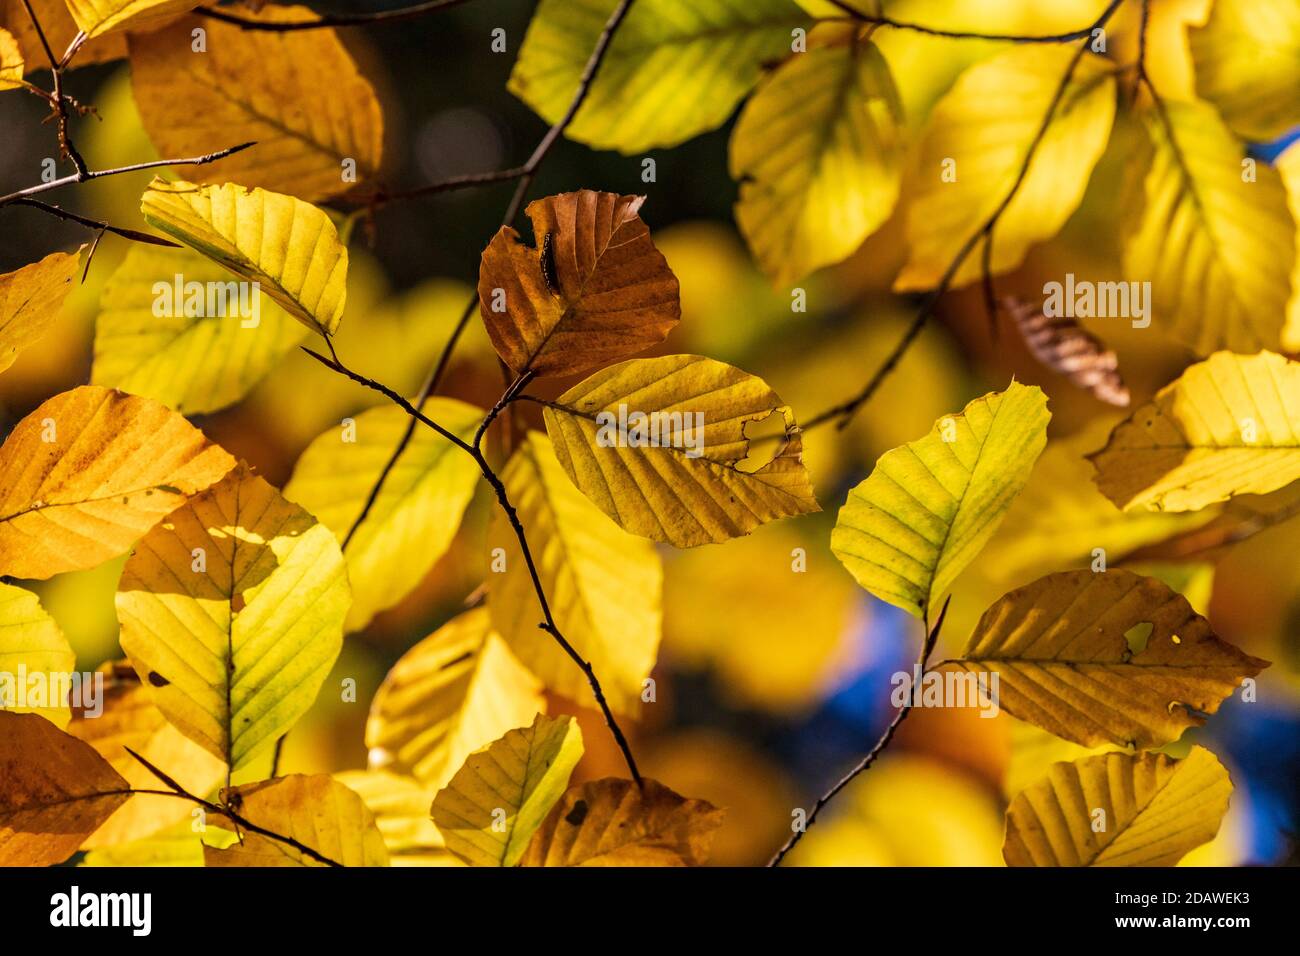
[(595, 289), (55, 791), (611, 823), (1064, 346)]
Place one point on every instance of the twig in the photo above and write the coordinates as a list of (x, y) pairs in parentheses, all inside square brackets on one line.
[(844, 411), (176, 790), (927, 648), (503, 499), (330, 19), (96, 224), (451, 184)]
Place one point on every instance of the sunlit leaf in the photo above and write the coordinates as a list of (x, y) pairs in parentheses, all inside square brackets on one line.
[(1070, 656), (414, 518), (1155, 810), (97, 17), (929, 506), (31, 297), (90, 471), (232, 613), (494, 804), (1226, 426), (11, 62), (686, 487), (401, 809), (602, 583), (31, 644)]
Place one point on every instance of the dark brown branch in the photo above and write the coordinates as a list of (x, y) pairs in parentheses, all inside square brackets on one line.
[(97, 224), (176, 790), (330, 19), (844, 412), (927, 648), (468, 181)]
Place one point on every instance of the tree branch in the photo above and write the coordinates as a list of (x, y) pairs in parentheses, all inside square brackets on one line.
[(97, 224), (330, 19), (176, 790), (927, 648), (844, 412)]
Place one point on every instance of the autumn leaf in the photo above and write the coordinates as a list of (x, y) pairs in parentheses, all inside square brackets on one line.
[(1224, 427), (298, 95), (818, 152), (685, 496), (675, 69), (1152, 810), (594, 291), (11, 62), (457, 690), (59, 27), (90, 471), (31, 643), (1216, 246), (1247, 63), (1070, 657), (401, 809), (929, 506), (1067, 348), (54, 791), (97, 17), (290, 248), (413, 520), (611, 822), (317, 811), (975, 146), (603, 585), (125, 718), (232, 614), (30, 299), (189, 358), (494, 804)]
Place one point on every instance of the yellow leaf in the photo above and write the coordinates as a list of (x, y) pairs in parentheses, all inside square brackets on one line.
[(299, 95), (1156, 809), (1247, 59), (928, 507), (97, 17), (412, 522), (597, 290), (173, 327), (31, 643), (688, 487), (401, 809), (492, 806), (128, 719), (977, 141), (317, 811), (55, 791), (288, 247), (454, 692), (89, 472), (30, 299), (818, 153), (177, 845), (611, 822), (56, 21), (1226, 426), (676, 68), (603, 584), (1073, 653), (11, 62), (1288, 167), (232, 614), (1216, 246), (1034, 750)]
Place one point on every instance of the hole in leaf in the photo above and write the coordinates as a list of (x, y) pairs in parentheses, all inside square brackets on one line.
[(1137, 636), (765, 442)]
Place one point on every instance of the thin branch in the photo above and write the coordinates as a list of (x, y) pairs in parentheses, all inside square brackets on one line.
[(119, 170), (330, 19), (845, 411), (853, 13), (176, 790), (97, 224), (923, 659), (453, 183), (526, 174)]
